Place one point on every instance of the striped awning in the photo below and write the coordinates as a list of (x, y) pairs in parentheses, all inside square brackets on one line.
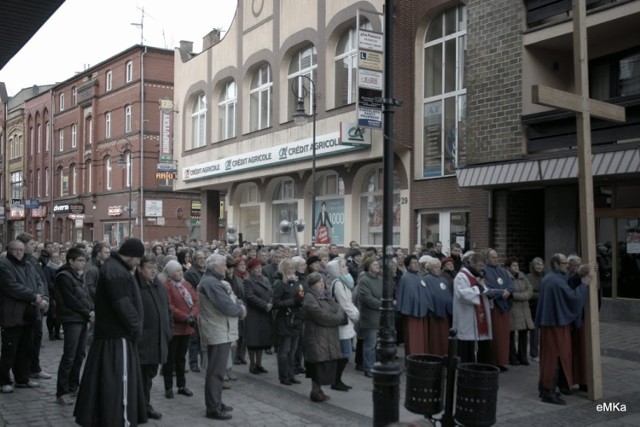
[(553, 169)]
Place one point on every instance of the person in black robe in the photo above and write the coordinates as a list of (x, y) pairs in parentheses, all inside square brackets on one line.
[(559, 307), (111, 390)]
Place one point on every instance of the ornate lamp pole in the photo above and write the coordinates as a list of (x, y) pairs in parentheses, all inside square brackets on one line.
[(300, 117)]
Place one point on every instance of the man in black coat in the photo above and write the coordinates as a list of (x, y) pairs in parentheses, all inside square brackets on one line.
[(21, 296), (153, 345), (113, 364), (75, 310)]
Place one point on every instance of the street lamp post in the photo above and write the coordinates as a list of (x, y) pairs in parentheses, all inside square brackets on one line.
[(300, 117), (124, 146)]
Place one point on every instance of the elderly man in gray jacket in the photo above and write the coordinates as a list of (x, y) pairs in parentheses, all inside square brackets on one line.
[(218, 325)]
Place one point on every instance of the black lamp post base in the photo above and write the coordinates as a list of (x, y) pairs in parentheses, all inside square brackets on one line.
[(386, 393)]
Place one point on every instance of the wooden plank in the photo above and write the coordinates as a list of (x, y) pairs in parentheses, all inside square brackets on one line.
[(555, 98)]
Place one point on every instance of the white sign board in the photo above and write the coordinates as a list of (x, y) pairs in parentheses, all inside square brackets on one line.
[(153, 208), (370, 79), (370, 40)]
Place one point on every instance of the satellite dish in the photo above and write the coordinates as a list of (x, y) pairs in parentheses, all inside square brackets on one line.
[(285, 226)]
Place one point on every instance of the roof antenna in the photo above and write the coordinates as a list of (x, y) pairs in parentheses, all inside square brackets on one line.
[(140, 25)]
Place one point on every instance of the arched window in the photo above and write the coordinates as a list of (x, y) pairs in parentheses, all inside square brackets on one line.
[(303, 63), (108, 81), (371, 209), (64, 182), (199, 121), (108, 172), (445, 95), (285, 207), (249, 211), (346, 62), (129, 71), (74, 96), (73, 172), (260, 99), (74, 135), (127, 118), (227, 111), (88, 170), (46, 182), (107, 125), (39, 138)]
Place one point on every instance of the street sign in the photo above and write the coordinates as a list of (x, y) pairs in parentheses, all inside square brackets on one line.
[(370, 79), (167, 167), (369, 117), (370, 60), (370, 40), (32, 204)]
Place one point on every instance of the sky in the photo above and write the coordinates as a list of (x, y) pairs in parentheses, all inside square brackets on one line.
[(85, 32)]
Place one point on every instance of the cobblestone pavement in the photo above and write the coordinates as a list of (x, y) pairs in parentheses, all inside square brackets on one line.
[(260, 400)]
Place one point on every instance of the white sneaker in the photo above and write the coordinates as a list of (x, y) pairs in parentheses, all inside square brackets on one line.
[(28, 384), (7, 388), (42, 375)]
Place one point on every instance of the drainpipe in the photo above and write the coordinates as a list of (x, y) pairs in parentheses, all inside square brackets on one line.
[(141, 207), (50, 177)]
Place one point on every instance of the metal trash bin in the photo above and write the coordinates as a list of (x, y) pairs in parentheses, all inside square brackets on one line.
[(424, 384), (476, 394)]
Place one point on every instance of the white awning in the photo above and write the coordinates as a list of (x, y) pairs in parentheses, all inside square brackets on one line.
[(560, 168)]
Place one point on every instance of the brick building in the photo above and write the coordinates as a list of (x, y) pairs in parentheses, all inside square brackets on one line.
[(101, 178)]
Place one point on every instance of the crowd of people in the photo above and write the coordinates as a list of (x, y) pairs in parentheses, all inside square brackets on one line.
[(191, 306)]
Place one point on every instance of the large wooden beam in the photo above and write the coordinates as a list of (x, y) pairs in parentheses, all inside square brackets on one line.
[(555, 98)]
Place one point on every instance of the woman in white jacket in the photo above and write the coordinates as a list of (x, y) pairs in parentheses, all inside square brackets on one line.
[(471, 315), (341, 287)]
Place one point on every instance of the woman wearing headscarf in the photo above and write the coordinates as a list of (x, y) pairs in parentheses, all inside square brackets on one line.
[(288, 295), (440, 309), (341, 289), (413, 304), (322, 351), (183, 301), (258, 333)]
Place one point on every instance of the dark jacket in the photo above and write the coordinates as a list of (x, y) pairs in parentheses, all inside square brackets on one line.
[(258, 329), (369, 300), (153, 345), (19, 285), (72, 296), (322, 315), (193, 276), (118, 306), (91, 276), (288, 306)]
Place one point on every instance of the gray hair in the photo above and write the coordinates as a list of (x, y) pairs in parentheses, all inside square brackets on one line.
[(215, 259), (574, 259), (432, 263)]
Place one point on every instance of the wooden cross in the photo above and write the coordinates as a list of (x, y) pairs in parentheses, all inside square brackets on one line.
[(584, 107)]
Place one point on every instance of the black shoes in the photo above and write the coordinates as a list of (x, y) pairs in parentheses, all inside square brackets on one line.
[(503, 368), (340, 387), (194, 368), (299, 371), (294, 381), (168, 394), (185, 392), (219, 415), (226, 408), (368, 374), (554, 399), (261, 370), (254, 371), (153, 414), (286, 382)]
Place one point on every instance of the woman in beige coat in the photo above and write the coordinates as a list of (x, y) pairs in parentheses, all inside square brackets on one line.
[(521, 320)]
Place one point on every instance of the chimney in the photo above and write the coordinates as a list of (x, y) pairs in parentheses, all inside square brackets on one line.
[(211, 39), (186, 46)]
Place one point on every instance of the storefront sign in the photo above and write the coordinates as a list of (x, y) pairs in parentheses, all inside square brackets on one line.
[(76, 216), (69, 208), (352, 134), (115, 210), (196, 209), (326, 145), (40, 212), (165, 136), (32, 203), (153, 208), (16, 212)]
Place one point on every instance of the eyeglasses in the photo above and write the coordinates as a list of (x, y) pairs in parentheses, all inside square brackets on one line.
[(563, 262)]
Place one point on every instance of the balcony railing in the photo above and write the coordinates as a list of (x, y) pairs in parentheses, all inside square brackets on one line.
[(542, 12)]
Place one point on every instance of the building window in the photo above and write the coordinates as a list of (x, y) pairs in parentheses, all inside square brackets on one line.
[(260, 99), (61, 102), (304, 63), (16, 185), (107, 125), (89, 129), (444, 226), (227, 111), (108, 172), (330, 197), (108, 81), (47, 139), (46, 182), (444, 103), (39, 137), (74, 136), (38, 183), (61, 137), (88, 168), (199, 121), (249, 211), (73, 171), (285, 207), (127, 118), (128, 166), (346, 63), (74, 96), (32, 141), (371, 209), (615, 75), (129, 71), (64, 182)]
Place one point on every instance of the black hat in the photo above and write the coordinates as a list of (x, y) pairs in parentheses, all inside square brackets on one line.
[(313, 259), (132, 247)]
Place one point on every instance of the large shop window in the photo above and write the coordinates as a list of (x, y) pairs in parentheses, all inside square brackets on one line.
[(249, 212), (260, 99), (445, 226), (371, 209), (444, 101), (285, 207)]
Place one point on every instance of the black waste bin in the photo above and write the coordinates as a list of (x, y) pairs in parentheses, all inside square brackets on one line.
[(424, 384), (476, 394)]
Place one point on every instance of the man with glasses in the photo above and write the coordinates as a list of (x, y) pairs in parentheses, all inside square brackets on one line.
[(75, 310), (21, 296), (559, 306)]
